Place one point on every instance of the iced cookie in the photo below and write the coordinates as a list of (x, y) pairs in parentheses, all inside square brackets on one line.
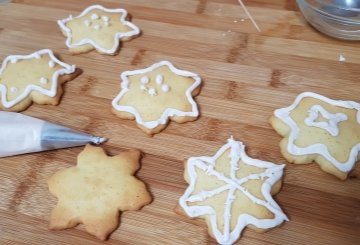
[(97, 28), (32, 78), (156, 94), (231, 191), (316, 128), (95, 190)]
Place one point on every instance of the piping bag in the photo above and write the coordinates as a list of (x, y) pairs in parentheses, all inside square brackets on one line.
[(20, 134)]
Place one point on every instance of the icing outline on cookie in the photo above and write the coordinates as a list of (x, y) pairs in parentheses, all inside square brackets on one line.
[(284, 115), (273, 172), (67, 69), (169, 112), (118, 36)]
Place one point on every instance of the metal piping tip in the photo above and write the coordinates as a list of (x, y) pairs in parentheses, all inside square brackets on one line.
[(98, 140)]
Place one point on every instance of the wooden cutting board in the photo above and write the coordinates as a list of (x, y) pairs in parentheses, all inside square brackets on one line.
[(246, 76)]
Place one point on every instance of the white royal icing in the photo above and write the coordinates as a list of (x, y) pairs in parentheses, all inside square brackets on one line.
[(165, 88), (65, 69), (87, 22), (119, 35), (43, 80), (124, 85), (272, 172), (143, 88), (169, 112), (13, 89), (342, 58), (152, 91), (321, 149), (13, 60), (51, 64), (333, 119), (97, 27), (105, 18), (94, 16), (159, 79), (145, 80)]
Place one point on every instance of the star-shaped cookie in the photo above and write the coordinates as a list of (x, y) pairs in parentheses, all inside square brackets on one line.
[(156, 94), (95, 190), (97, 28), (316, 128), (32, 78), (231, 191)]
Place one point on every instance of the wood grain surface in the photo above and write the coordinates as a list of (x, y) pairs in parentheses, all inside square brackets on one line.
[(246, 76)]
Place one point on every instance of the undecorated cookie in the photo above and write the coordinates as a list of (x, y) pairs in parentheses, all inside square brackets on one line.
[(32, 78), (95, 190), (156, 94), (316, 128), (231, 191), (97, 28)]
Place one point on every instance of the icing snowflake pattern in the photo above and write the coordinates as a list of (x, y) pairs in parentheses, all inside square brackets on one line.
[(231, 183)]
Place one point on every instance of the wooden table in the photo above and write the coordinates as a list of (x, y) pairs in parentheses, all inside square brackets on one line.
[(246, 76)]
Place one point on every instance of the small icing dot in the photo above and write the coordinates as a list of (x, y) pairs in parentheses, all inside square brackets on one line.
[(13, 60), (94, 16), (145, 80), (87, 22), (107, 24), (43, 80), (152, 91), (159, 79), (97, 27), (13, 89), (165, 88), (105, 18), (51, 64), (143, 88)]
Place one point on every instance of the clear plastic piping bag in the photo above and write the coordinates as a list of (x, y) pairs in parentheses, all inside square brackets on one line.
[(20, 134)]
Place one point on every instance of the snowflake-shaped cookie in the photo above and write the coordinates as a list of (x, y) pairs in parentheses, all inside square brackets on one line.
[(156, 94), (316, 128), (97, 28), (95, 190), (32, 78), (231, 191)]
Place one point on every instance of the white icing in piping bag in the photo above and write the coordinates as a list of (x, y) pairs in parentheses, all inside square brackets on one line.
[(20, 134), (249, 15)]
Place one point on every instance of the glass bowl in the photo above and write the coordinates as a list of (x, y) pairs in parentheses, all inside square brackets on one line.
[(336, 18)]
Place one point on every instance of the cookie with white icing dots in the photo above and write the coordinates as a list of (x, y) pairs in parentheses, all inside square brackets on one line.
[(32, 78), (232, 191), (316, 128), (155, 95), (97, 28)]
